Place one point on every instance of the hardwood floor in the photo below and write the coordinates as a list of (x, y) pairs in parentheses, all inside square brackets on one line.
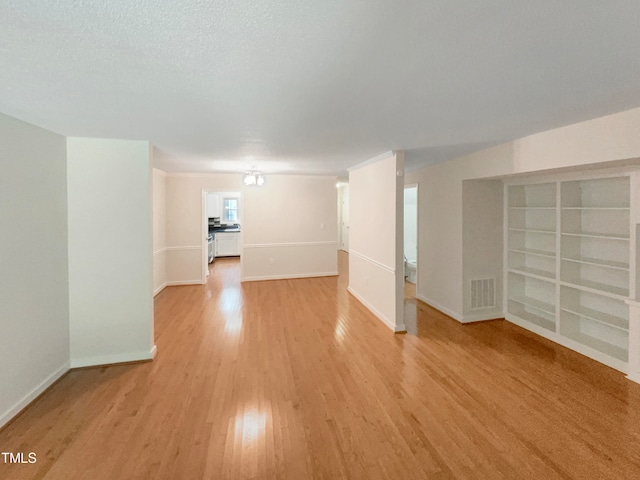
[(295, 379)]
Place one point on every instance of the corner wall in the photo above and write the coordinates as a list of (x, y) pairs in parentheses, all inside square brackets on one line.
[(34, 294), (110, 251), (376, 200), (482, 245)]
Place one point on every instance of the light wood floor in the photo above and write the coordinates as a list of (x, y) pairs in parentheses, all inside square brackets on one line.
[(295, 379)]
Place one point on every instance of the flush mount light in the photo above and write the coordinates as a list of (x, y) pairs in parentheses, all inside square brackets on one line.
[(253, 178)]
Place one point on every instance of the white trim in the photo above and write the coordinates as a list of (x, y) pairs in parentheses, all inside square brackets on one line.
[(154, 352), (159, 251), (117, 358), (206, 175), (160, 288), (159, 172), (288, 276), (634, 377), (388, 323), (293, 244), (33, 394), (372, 261), (241, 185), (471, 318), (188, 247), (446, 311), (371, 161), (185, 282)]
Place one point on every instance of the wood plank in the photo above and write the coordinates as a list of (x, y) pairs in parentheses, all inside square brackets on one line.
[(296, 379)]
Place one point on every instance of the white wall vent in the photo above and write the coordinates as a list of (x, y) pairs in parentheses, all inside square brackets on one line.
[(483, 293)]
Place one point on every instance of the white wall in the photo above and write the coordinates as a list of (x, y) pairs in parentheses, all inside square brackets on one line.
[(159, 203), (280, 220), (290, 228), (611, 138), (34, 301), (482, 242), (375, 244), (110, 251), (411, 223)]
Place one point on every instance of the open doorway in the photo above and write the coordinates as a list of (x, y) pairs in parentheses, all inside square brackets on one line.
[(221, 227), (410, 240)]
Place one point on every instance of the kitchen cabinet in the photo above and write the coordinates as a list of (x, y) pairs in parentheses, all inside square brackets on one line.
[(213, 205), (228, 244)]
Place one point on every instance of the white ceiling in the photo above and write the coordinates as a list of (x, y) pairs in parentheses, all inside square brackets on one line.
[(315, 86)]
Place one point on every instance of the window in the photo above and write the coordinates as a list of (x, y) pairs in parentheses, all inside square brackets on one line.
[(230, 210)]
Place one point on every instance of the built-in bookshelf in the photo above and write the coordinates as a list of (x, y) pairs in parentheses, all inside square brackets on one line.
[(568, 263), (532, 230)]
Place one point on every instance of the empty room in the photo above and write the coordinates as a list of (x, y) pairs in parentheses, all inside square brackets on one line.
[(319, 240)]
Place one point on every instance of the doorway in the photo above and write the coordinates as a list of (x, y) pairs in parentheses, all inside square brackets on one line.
[(221, 227), (410, 248)]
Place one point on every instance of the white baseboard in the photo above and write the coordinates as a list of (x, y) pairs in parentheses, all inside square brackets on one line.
[(480, 317), (159, 289), (110, 359), (290, 276), (400, 328), (634, 377), (377, 313), (33, 394), (444, 310), (184, 282)]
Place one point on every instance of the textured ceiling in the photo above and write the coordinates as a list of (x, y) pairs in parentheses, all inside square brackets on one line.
[(315, 86)]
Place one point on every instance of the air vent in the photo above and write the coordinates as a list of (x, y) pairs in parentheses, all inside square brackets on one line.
[(483, 293)]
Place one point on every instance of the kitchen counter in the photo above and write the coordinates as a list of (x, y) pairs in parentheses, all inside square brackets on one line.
[(230, 228)]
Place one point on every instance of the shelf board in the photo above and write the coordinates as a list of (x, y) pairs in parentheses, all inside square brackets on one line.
[(534, 319), (532, 251), (599, 263), (534, 273), (533, 208), (597, 208), (599, 317), (608, 236), (533, 303), (599, 288), (600, 345), (530, 230)]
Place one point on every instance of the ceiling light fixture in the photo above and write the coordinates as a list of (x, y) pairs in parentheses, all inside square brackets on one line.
[(253, 178)]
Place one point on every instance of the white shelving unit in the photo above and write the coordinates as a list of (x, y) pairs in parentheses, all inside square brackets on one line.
[(532, 230), (569, 263)]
